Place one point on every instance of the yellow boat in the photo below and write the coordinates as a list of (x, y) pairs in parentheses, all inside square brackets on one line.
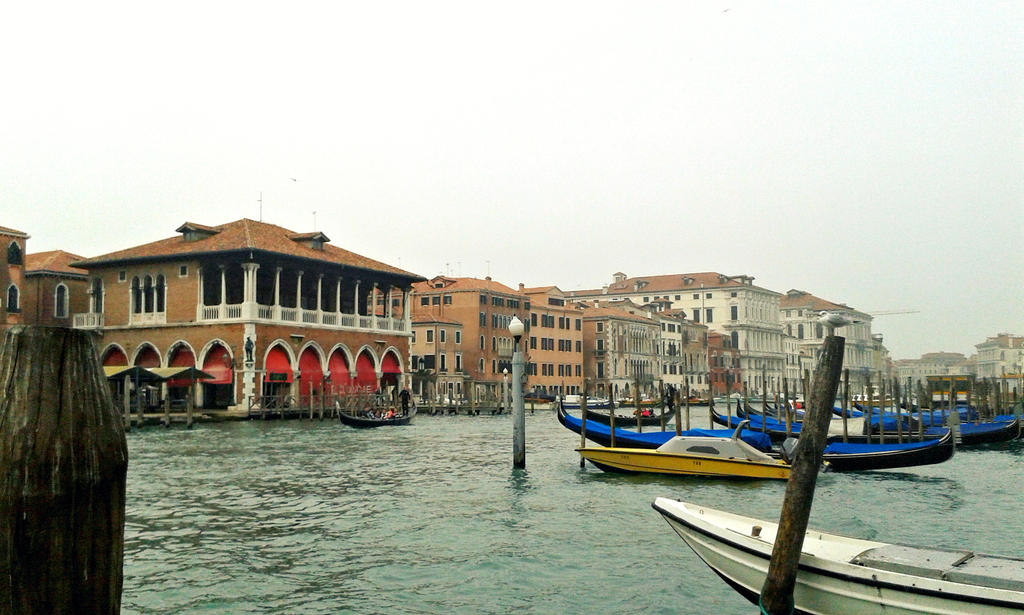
[(691, 456)]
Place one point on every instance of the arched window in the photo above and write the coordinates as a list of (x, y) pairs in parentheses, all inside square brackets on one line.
[(14, 254), (97, 296), (60, 301), (159, 293), (147, 293), (12, 299), (136, 296)]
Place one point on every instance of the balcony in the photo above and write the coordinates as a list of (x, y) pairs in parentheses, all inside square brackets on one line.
[(88, 320), (275, 314)]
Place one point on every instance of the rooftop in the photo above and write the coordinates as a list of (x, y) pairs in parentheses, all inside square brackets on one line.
[(55, 261)]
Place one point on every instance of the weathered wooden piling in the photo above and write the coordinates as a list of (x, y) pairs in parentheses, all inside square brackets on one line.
[(583, 421), (679, 429), (777, 592), (611, 415), (786, 407), (846, 404), (62, 493)]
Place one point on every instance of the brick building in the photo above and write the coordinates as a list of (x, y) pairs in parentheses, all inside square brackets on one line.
[(12, 275), (554, 344), (621, 348), (54, 290), (437, 365), (269, 313), (484, 308)]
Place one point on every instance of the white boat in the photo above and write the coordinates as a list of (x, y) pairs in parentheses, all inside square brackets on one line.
[(849, 576)]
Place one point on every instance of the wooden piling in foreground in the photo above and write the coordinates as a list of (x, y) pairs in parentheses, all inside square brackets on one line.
[(583, 422), (62, 491), (777, 592), (611, 415), (846, 404)]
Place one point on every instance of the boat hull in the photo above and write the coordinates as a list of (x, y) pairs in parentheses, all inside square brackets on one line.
[(646, 461), (930, 452), (364, 423), (824, 586)]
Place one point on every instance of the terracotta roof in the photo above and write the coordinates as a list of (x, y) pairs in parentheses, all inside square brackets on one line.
[(608, 312), (540, 289), (803, 299), (55, 261), (243, 234), (462, 284), (677, 282), (424, 316), (11, 231)]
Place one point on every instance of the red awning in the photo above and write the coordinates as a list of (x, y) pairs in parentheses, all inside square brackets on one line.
[(183, 357), (278, 368), (390, 364), (218, 365), (148, 358), (366, 377), (337, 365), (115, 357), (310, 372)]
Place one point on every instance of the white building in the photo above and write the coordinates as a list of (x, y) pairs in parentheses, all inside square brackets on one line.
[(731, 305), (1002, 356), (800, 311)]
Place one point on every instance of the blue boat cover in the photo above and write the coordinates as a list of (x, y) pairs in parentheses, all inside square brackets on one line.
[(626, 437), (849, 448), (971, 428)]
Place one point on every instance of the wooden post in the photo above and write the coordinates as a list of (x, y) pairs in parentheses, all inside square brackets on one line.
[(777, 592), (687, 402), (321, 400), (62, 491), (899, 412), (167, 411), (785, 406), (661, 402), (868, 407), (126, 402), (711, 405), (140, 405), (846, 403), (190, 404), (764, 393), (881, 410), (611, 414), (679, 402), (636, 405), (583, 422)]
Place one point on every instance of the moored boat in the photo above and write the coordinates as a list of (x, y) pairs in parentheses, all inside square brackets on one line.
[(691, 456), (850, 576), (368, 420)]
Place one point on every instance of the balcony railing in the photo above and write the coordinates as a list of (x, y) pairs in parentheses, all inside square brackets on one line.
[(88, 321)]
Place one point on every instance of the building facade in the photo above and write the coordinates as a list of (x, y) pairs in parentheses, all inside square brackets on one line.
[(438, 370), (554, 342), (12, 275), (54, 291), (800, 313), (1002, 357), (267, 312), (731, 305), (621, 349)]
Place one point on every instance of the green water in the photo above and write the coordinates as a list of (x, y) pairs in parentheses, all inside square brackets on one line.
[(311, 517)]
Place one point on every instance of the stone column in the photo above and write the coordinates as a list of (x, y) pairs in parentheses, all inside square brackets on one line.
[(407, 310), (337, 298), (319, 294), (298, 293), (223, 286), (355, 306), (372, 308)]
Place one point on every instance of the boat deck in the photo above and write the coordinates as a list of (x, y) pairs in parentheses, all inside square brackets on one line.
[(949, 565)]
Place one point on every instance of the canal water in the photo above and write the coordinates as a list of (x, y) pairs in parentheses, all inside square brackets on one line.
[(315, 517)]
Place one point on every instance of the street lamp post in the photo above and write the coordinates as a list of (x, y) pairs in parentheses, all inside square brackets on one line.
[(518, 410), (504, 390)]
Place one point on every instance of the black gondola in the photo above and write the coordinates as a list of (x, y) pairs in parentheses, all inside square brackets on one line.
[(366, 421)]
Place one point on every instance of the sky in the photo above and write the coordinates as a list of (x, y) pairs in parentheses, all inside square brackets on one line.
[(871, 153)]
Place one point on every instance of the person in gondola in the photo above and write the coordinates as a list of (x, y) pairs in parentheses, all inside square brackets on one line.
[(404, 397)]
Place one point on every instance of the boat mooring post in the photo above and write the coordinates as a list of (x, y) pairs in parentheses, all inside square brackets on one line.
[(777, 592), (846, 404), (675, 395), (583, 421), (711, 404), (786, 408), (516, 328), (62, 491)]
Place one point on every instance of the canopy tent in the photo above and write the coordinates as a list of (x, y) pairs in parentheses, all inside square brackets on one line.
[(390, 370), (366, 377), (311, 374), (218, 365), (135, 372), (180, 374), (337, 365), (182, 357)]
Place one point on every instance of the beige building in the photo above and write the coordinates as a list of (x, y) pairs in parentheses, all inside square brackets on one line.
[(554, 348), (438, 371), (1002, 356), (621, 347), (800, 311), (731, 305)]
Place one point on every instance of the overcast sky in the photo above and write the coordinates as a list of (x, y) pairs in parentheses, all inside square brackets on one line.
[(869, 153)]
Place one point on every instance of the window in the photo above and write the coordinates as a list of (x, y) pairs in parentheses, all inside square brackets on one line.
[(122, 276), (483, 300), (579, 324), (600, 327), (799, 332), (444, 362), (447, 299), (696, 295), (732, 294), (696, 314), (579, 346), (458, 337), (443, 336), (183, 271), (600, 369), (735, 339), (97, 296), (435, 300), (708, 315), (707, 295), (424, 300), (414, 341), (734, 312), (481, 366), (579, 370), (60, 301), (677, 297), (533, 319), (458, 362), (533, 343), (430, 336), (483, 319), (483, 344), (600, 344), (647, 299), (12, 299), (159, 292), (14, 254)]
